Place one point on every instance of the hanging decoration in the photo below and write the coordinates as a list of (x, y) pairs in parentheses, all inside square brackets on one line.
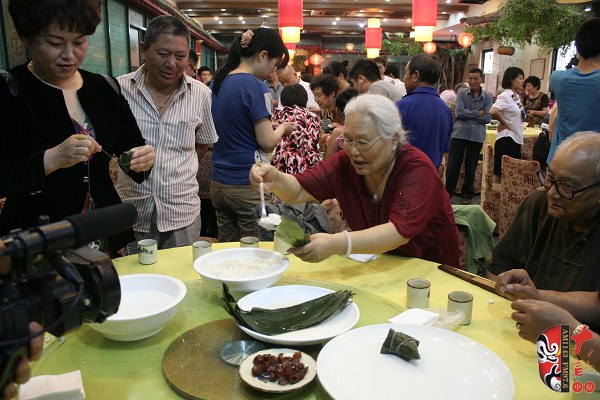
[(316, 59), (291, 49), (291, 20), (424, 19), (429, 47), (373, 34), (465, 39)]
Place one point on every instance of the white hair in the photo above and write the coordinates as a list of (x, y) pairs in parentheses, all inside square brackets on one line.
[(587, 142), (381, 111)]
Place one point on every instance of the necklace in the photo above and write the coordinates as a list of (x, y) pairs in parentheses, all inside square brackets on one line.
[(167, 100), (375, 196)]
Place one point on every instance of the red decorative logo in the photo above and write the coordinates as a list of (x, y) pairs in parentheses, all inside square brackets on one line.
[(553, 357)]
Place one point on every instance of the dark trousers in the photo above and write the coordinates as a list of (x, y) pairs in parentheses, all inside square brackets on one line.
[(505, 146), (469, 151)]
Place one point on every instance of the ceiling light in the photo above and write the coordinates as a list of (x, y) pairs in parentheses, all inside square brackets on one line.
[(337, 18), (409, 20), (216, 18), (450, 30), (448, 1), (243, 22), (241, 18), (223, 9), (586, 9), (385, 20), (361, 24), (443, 12), (220, 22), (333, 23)]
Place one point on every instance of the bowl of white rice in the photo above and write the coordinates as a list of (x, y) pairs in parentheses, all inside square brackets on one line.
[(244, 270)]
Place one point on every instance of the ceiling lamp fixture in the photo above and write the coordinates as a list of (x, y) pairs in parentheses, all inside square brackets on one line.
[(349, 46), (373, 35), (429, 47), (424, 19), (291, 20), (465, 39)]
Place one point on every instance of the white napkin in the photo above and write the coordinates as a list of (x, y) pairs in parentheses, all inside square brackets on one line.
[(415, 316), (53, 387), (363, 258)]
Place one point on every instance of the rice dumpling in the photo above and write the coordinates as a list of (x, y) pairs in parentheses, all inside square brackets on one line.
[(287, 319), (402, 345)]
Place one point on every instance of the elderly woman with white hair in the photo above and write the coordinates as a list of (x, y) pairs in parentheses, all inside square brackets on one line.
[(389, 191)]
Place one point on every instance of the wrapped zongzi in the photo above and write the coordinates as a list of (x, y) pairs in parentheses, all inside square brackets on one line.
[(402, 345)]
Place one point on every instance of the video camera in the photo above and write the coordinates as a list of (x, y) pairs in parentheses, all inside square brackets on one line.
[(59, 288)]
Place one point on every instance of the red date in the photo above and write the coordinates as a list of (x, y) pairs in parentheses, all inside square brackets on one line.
[(280, 369)]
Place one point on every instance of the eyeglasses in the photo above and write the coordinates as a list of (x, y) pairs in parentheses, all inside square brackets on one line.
[(192, 68), (563, 189), (360, 145)]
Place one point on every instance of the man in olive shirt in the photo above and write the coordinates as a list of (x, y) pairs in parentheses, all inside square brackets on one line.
[(555, 236)]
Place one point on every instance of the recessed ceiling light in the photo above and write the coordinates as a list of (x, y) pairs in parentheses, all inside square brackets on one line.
[(337, 18), (223, 9), (216, 18), (385, 20), (409, 20), (220, 22), (241, 18), (360, 24), (448, 1), (443, 12), (333, 23), (450, 30), (243, 22)]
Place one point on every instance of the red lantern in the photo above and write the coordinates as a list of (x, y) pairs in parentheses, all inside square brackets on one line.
[(291, 49), (465, 39), (429, 47), (424, 19), (373, 34), (316, 59), (291, 20), (305, 63)]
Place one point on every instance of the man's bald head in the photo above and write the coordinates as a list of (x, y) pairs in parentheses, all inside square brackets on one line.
[(287, 76), (582, 148)]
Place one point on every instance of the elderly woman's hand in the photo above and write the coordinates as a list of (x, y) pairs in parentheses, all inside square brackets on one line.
[(263, 173), (73, 150), (516, 284), (143, 158), (321, 247)]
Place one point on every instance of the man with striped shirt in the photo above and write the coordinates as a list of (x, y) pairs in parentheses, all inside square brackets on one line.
[(173, 113)]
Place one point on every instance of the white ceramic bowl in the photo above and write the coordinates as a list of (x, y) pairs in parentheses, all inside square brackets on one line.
[(240, 285), (148, 302)]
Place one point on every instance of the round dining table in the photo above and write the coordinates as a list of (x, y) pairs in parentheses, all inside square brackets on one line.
[(134, 370)]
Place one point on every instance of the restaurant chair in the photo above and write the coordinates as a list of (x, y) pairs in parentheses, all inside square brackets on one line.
[(490, 193), (519, 178), (527, 148), (476, 230)]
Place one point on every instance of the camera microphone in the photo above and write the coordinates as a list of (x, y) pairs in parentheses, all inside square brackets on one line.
[(72, 232)]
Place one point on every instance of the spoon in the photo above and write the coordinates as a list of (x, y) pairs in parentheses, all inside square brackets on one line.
[(267, 221)]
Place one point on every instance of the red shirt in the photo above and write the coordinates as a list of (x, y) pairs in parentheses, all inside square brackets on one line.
[(414, 200)]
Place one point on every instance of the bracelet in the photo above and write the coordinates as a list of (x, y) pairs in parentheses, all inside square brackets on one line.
[(349, 244)]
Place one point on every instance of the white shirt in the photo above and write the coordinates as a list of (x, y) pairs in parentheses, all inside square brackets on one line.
[(509, 105), (172, 187), (311, 103)]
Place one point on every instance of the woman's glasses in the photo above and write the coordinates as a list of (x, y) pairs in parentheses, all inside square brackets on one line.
[(360, 144)]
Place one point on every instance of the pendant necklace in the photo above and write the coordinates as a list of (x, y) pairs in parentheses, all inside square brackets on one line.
[(167, 100), (375, 196)]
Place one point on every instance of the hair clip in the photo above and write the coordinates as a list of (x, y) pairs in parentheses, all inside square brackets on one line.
[(246, 38)]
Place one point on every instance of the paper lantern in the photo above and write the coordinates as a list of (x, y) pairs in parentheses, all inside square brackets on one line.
[(429, 47), (305, 63), (291, 49), (424, 19), (291, 20), (316, 59), (373, 34), (465, 39)]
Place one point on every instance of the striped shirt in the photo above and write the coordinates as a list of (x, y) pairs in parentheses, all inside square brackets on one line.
[(172, 187)]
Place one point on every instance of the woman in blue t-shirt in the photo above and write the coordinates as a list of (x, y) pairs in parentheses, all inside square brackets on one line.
[(241, 109)]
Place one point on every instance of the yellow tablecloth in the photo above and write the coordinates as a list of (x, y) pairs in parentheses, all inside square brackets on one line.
[(105, 375), (490, 134)]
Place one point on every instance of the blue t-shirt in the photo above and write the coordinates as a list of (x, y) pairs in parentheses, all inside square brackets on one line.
[(427, 121), (242, 101), (578, 99)]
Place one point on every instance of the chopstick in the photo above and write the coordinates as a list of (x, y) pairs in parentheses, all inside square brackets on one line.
[(484, 283)]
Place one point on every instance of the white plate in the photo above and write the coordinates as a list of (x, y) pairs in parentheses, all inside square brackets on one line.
[(452, 366), (274, 387), (284, 296)]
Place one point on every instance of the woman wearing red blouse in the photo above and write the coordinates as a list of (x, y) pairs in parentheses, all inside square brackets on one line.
[(390, 193)]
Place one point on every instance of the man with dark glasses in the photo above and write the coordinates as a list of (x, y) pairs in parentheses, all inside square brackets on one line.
[(556, 233)]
